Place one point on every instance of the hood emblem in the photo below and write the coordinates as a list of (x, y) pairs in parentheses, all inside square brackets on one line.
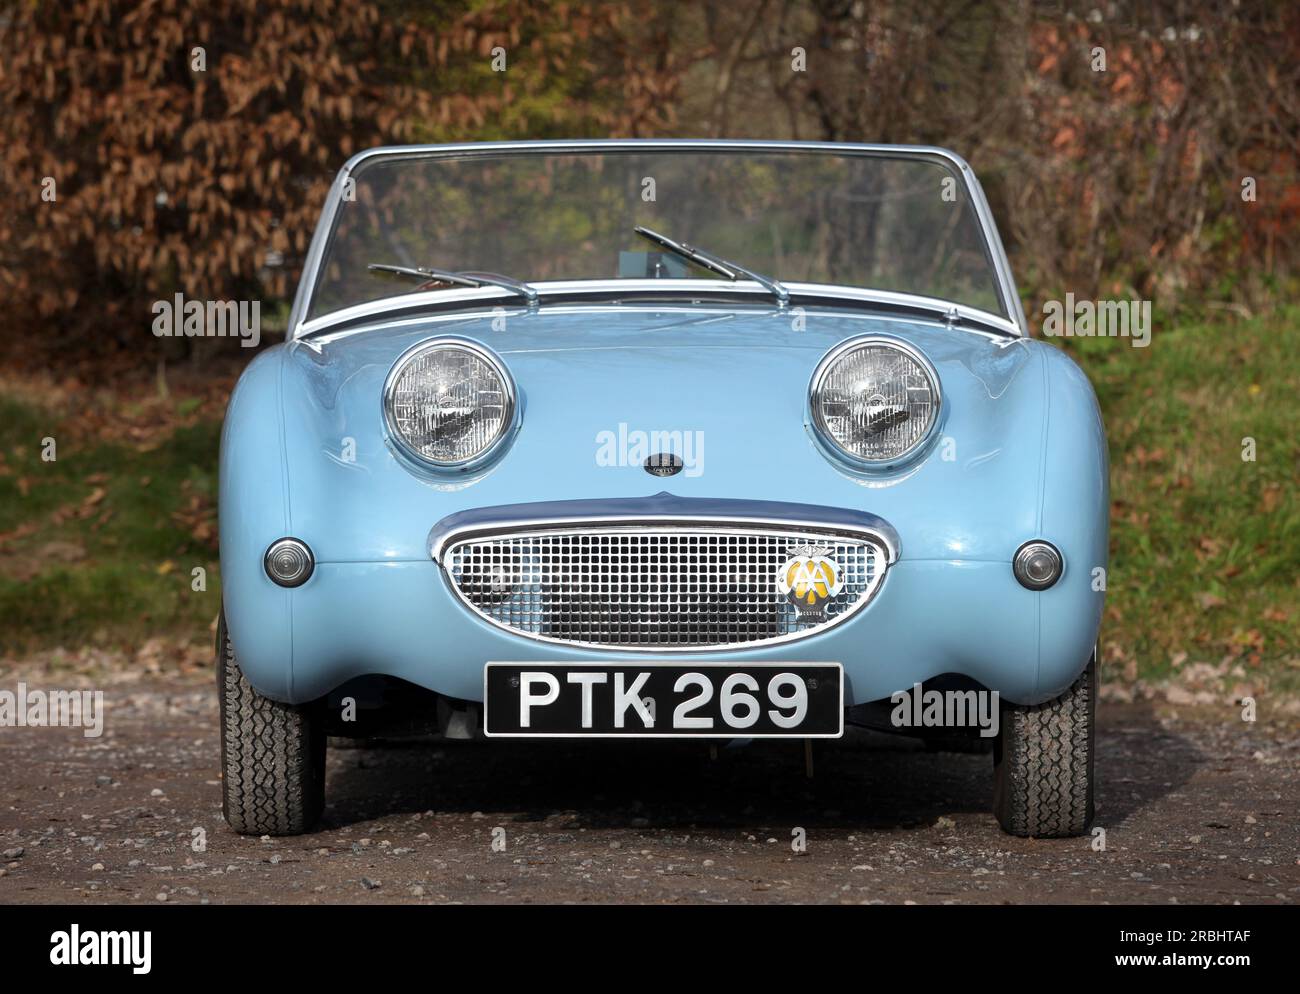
[(809, 579), (664, 464)]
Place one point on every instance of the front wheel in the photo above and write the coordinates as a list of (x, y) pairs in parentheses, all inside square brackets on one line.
[(1043, 763), (272, 755)]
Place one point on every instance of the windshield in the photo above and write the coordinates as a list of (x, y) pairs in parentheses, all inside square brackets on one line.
[(859, 220)]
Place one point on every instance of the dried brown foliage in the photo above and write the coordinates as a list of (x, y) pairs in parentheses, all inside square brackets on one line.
[(1141, 167), (1104, 183), (170, 178)]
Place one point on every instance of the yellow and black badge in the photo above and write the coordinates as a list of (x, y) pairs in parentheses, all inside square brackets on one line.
[(810, 578)]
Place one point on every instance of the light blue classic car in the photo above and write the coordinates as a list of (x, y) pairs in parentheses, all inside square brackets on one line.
[(711, 439)]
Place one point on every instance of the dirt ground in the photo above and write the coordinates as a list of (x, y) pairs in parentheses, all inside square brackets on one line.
[(1197, 807)]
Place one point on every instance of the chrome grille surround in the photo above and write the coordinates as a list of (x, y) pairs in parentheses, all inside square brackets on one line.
[(670, 586)]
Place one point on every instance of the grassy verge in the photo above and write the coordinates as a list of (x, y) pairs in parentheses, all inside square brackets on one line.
[(99, 545), (1205, 544)]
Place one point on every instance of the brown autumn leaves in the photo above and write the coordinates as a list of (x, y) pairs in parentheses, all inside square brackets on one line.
[(149, 147)]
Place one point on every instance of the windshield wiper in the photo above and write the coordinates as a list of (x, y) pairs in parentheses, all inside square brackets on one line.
[(715, 264), (431, 275)]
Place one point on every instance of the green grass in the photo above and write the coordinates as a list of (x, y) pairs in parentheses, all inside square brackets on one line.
[(1205, 547), (100, 556)]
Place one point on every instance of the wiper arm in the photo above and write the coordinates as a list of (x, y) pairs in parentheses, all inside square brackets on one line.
[(701, 259), (430, 275), (506, 282), (723, 267)]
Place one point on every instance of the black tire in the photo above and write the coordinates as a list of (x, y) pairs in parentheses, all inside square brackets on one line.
[(1043, 763), (272, 755)]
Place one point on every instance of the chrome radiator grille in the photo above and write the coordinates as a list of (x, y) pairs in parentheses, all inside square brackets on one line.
[(655, 588)]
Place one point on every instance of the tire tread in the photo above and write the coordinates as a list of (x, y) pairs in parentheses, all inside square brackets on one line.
[(272, 755), (1043, 762)]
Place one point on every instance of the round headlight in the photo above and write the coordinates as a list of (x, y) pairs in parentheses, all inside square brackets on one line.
[(449, 402), (875, 399)]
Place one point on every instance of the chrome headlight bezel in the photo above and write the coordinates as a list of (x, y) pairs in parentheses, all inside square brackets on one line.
[(483, 353), (828, 439)]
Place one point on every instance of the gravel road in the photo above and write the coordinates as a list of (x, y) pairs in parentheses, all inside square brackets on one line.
[(1197, 807)]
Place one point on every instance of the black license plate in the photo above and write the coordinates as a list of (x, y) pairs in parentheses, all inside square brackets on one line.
[(664, 700)]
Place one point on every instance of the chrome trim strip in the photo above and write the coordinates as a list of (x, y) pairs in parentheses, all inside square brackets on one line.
[(993, 242), (390, 308), (702, 315), (441, 543), (457, 537)]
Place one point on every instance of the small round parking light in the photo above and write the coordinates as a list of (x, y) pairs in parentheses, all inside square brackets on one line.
[(289, 562), (1037, 565)]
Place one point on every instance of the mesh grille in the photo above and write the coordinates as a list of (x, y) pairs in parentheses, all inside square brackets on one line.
[(653, 589)]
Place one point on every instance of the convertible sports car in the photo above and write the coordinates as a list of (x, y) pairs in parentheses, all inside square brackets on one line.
[(709, 439)]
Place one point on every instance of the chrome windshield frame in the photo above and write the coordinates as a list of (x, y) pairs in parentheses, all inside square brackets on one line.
[(1014, 321)]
